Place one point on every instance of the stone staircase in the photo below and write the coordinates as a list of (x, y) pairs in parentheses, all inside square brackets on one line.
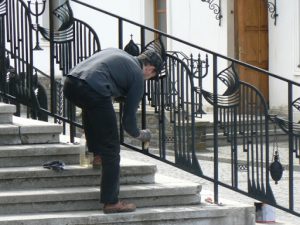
[(33, 195)]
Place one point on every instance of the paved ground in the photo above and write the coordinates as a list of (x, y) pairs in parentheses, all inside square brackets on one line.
[(280, 190)]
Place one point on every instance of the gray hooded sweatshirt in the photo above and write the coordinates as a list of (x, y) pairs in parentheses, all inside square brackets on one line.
[(113, 72)]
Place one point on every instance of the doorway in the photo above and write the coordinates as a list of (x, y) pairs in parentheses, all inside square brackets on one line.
[(252, 42)]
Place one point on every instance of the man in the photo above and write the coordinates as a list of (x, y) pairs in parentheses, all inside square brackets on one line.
[(91, 85)]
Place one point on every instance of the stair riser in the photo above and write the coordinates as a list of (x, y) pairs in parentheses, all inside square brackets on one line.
[(10, 140), (93, 204), (5, 118), (37, 160), (28, 139), (40, 138), (197, 221), (37, 155), (72, 181), (187, 216), (6, 113)]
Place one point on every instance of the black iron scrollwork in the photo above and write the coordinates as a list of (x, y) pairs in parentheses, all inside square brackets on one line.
[(216, 9), (272, 7), (64, 33), (198, 66), (276, 169), (290, 127), (285, 124), (2, 7), (38, 12), (65, 14), (231, 96)]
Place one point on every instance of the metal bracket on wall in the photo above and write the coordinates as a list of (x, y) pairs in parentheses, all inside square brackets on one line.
[(272, 7), (216, 7)]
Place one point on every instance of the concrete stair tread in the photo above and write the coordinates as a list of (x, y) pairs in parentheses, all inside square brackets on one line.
[(149, 214), (36, 126), (159, 188), (28, 177), (162, 192), (23, 155), (7, 108), (19, 130), (127, 167), (38, 149)]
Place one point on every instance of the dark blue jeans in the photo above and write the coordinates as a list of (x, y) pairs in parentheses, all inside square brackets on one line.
[(101, 132)]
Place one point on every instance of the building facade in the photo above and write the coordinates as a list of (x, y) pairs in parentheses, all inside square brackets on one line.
[(263, 33)]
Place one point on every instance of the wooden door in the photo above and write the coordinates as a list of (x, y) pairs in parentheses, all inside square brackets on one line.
[(252, 42)]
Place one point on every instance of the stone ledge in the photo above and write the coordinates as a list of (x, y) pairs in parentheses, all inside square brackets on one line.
[(30, 126), (71, 170), (38, 150), (176, 215), (28, 131), (7, 108)]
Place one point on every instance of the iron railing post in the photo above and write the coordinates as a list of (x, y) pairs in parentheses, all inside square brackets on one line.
[(162, 135), (291, 166), (234, 148), (121, 108), (143, 104), (2, 47), (215, 116), (52, 67)]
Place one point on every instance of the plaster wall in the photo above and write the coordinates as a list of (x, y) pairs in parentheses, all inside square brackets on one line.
[(193, 21), (107, 27), (283, 53)]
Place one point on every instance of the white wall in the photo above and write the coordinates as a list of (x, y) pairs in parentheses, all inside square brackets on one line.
[(282, 49), (107, 27), (193, 21)]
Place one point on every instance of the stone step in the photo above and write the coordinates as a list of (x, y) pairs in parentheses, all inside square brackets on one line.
[(163, 192), (38, 154), (203, 214), (6, 113), (28, 131), (16, 178)]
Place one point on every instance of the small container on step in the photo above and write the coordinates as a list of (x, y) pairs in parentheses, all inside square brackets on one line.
[(86, 157)]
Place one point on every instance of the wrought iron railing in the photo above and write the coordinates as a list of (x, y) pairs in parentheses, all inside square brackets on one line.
[(239, 110)]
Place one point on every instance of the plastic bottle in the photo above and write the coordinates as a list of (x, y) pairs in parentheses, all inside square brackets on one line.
[(146, 145), (86, 157)]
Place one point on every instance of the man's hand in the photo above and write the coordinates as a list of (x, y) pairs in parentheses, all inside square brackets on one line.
[(145, 135)]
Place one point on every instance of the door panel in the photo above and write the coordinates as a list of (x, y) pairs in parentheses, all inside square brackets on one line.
[(252, 42)]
